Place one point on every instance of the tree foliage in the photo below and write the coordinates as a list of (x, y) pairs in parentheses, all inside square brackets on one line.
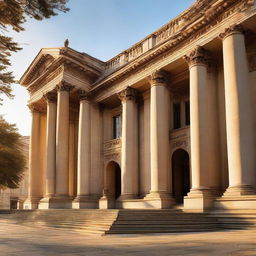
[(12, 160), (13, 14)]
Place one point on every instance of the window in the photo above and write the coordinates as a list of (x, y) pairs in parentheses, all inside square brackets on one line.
[(116, 127), (176, 116), (187, 113)]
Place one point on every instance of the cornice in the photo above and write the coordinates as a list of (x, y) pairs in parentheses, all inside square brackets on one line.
[(193, 22)]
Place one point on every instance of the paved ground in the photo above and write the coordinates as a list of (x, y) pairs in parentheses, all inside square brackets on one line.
[(17, 240)]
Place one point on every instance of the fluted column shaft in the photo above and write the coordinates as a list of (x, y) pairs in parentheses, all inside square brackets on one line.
[(129, 158), (62, 140), (84, 145), (240, 134), (159, 134), (50, 143)]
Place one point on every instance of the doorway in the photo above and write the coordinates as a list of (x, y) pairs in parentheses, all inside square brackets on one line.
[(180, 175), (113, 176)]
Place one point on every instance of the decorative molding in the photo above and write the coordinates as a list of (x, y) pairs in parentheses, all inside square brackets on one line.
[(199, 56), (234, 29), (128, 94), (64, 86), (159, 77), (112, 150)]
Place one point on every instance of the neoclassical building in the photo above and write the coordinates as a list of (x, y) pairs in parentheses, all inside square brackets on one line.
[(170, 121)]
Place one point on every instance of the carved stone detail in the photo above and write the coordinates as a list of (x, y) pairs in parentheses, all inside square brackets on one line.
[(50, 97), (198, 56), (128, 94), (64, 86), (35, 107), (159, 77), (83, 95), (234, 29)]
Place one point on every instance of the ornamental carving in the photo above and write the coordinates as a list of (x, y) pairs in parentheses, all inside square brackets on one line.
[(83, 95), (198, 56), (64, 86), (50, 97), (36, 108), (234, 29), (128, 94), (159, 77)]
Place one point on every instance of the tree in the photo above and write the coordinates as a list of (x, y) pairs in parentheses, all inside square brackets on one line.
[(12, 160), (13, 14)]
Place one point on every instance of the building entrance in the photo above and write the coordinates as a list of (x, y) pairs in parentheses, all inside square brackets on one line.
[(180, 175)]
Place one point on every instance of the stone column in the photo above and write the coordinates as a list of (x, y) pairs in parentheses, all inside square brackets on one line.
[(35, 191), (50, 98), (129, 157), (159, 196), (84, 154), (62, 141), (239, 115), (200, 196)]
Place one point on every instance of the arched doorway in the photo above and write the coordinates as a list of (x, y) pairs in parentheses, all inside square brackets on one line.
[(180, 175), (113, 179)]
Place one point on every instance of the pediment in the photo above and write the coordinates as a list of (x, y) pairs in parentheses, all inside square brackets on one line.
[(39, 66)]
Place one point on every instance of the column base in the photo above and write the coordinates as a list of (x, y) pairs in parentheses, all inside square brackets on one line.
[(158, 200), (31, 203), (199, 200), (242, 190), (107, 202), (85, 202), (55, 202)]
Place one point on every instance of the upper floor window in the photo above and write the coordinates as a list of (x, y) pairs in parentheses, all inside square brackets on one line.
[(116, 127), (187, 113), (176, 116)]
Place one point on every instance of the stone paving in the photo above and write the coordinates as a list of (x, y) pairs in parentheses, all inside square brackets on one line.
[(18, 240)]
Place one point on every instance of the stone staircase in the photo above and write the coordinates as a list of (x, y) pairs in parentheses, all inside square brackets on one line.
[(116, 221)]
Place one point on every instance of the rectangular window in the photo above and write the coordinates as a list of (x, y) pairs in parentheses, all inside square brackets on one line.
[(176, 116), (116, 127), (187, 112)]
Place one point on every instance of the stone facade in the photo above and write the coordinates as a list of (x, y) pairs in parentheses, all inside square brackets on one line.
[(168, 121)]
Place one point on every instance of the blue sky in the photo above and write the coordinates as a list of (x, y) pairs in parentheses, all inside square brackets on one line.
[(101, 28)]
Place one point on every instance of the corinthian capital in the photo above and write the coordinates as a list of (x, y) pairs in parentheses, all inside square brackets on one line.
[(35, 108), (234, 29), (83, 95), (64, 86), (128, 94), (50, 97), (198, 56), (159, 77)]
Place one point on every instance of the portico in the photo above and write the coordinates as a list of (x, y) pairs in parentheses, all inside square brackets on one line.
[(168, 121)]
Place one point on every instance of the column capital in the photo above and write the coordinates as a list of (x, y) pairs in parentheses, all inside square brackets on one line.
[(234, 29), (83, 95), (50, 97), (64, 86), (159, 77), (199, 56), (128, 94), (35, 108)]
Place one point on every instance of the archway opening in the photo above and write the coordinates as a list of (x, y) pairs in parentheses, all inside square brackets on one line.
[(114, 179), (180, 175)]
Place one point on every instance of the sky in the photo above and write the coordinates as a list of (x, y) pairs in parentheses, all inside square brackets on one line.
[(101, 28)]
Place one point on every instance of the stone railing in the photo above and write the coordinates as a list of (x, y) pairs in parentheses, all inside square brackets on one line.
[(146, 44), (111, 147), (180, 138)]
